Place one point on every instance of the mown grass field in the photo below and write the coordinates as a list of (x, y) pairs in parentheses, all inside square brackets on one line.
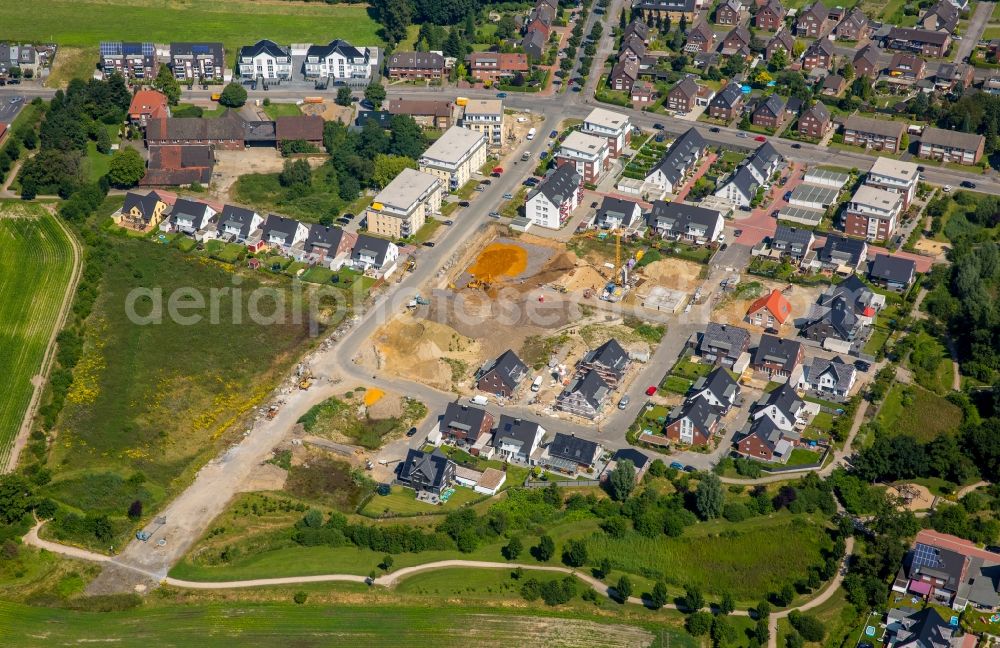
[(747, 559), (84, 23), (214, 624), (151, 402), (35, 270)]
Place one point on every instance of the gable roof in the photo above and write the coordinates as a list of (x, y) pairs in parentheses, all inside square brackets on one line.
[(240, 217), (726, 336), (740, 34), (280, 225), (729, 96), (818, 110), (952, 139), (230, 126), (784, 38), (148, 102), (924, 629), (559, 186), (508, 367), (697, 410), (636, 28), (677, 216), (419, 107), (686, 87), (785, 400), (777, 350), (336, 46), (775, 7), (817, 9), (592, 388), (775, 303), (428, 467), (869, 54), (837, 247), (765, 429), (617, 208), (324, 237), (516, 431), (628, 68), (773, 106), (702, 31), (467, 418), (299, 127), (416, 61), (820, 46), (573, 448), (842, 371), (502, 61), (893, 269), (194, 209), (792, 235), (610, 355), (379, 247), (263, 47), (719, 383), (745, 182), (685, 150), (922, 36), (854, 18)]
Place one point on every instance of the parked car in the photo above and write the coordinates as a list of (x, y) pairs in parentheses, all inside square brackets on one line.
[(676, 465), (742, 134), (464, 203), (968, 184), (658, 126), (343, 221), (487, 181), (428, 243), (530, 182), (861, 365), (508, 196), (714, 129), (412, 432), (543, 155), (448, 222), (796, 145), (494, 214), (946, 188), (690, 469), (920, 169), (651, 390), (760, 138), (478, 188), (501, 95), (623, 403)]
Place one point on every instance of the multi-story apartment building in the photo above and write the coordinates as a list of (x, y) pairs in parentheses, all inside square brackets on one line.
[(131, 60), (612, 126), (491, 66), (951, 146), (871, 213), (485, 116), (588, 154), (197, 61), (552, 202), (455, 156), (895, 176), (401, 209), (339, 62), (878, 134), (416, 65), (265, 60)]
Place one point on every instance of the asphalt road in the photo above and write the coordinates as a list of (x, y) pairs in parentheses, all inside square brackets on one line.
[(974, 31), (10, 106)]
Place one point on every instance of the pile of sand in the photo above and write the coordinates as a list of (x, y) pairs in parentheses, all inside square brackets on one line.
[(499, 260), (673, 273), (581, 278), (415, 349)]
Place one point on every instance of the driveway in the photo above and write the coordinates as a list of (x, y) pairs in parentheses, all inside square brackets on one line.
[(760, 224), (977, 23)]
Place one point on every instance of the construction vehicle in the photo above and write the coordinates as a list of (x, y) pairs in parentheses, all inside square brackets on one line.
[(417, 301), (305, 380), (411, 265), (477, 283), (148, 532)]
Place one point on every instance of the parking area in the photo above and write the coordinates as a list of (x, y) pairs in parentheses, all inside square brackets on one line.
[(10, 107)]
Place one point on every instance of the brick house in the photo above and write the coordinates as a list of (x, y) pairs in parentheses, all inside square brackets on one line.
[(777, 357), (769, 113), (624, 75), (683, 96), (770, 17), (502, 375), (819, 55), (727, 103), (416, 65), (465, 424), (815, 120), (729, 12), (951, 146), (878, 134), (491, 66), (737, 42), (866, 62), (694, 422), (700, 38), (770, 311), (812, 20), (929, 43), (853, 27), (781, 41), (906, 68)]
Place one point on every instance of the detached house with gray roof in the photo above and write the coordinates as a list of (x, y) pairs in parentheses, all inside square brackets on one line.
[(609, 360), (191, 216), (718, 388), (694, 422), (516, 439), (783, 406), (327, 244), (828, 378), (723, 343), (615, 213), (585, 396), (764, 440), (673, 220), (777, 357), (727, 103), (373, 254), (842, 254), (464, 425), (893, 273), (430, 472), (502, 375), (793, 242), (679, 160), (284, 233), (845, 312), (567, 453)]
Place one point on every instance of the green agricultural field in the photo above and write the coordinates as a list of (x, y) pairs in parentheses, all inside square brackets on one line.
[(912, 410), (150, 403), (312, 624), (35, 267), (84, 23), (747, 559)]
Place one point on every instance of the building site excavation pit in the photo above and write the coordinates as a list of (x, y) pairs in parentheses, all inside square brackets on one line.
[(514, 263)]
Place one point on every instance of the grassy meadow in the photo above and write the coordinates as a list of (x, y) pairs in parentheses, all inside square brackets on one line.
[(35, 269), (917, 412), (151, 403)]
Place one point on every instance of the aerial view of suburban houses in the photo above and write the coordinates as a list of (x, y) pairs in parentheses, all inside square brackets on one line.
[(661, 323)]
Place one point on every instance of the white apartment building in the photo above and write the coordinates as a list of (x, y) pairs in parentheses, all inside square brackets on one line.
[(401, 209), (551, 203), (485, 116), (455, 156), (588, 154), (895, 176), (338, 61), (265, 60), (615, 127)]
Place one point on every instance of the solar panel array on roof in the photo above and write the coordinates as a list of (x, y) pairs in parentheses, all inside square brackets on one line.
[(111, 48), (201, 49), (926, 556)]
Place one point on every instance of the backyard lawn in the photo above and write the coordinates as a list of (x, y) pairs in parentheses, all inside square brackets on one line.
[(276, 110), (35, 270), (403, 501)]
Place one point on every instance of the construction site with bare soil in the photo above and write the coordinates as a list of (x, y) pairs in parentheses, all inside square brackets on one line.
[(507, 291)]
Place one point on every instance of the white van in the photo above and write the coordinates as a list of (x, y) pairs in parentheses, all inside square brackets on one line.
[(536, 384), (480, 400), (531, 134)]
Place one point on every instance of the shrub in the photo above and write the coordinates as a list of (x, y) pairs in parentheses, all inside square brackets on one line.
[(809, 627), (698, 624), (300, 597)]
